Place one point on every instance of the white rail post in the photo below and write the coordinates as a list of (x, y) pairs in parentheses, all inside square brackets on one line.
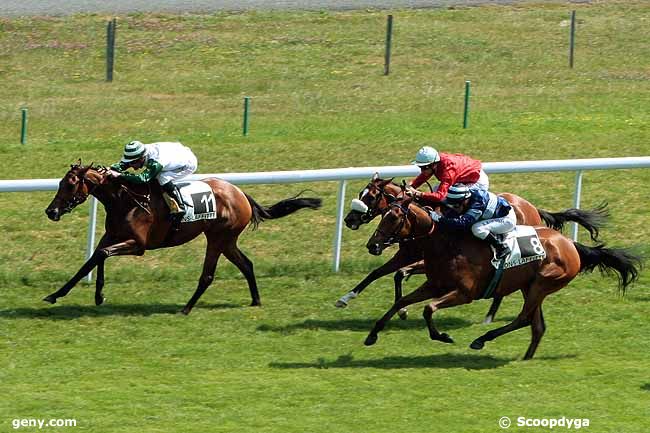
[(340, 207), (576, 201), (92, 225)]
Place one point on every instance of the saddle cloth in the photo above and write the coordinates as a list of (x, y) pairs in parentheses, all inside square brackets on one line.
[(200, 203), (525, 246)]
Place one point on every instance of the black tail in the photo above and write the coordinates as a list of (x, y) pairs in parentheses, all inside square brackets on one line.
[(623, 261), (281, 208), (591, 220)]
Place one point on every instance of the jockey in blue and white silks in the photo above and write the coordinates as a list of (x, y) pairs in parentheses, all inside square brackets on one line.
[(486, 214)]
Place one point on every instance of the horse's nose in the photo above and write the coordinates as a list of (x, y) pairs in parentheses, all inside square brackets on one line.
[(351, 222), (53, 213), (374, 249)]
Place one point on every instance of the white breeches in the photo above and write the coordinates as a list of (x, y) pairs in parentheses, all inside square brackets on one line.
[(482, 183), (497, 226), (178, 173)]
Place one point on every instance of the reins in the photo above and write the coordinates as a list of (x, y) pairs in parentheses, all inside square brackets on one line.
[(146, 198)]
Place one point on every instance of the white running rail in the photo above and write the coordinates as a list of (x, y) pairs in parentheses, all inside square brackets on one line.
[(342, 175)]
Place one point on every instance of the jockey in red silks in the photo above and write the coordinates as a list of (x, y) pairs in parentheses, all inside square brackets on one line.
[(450, 169)]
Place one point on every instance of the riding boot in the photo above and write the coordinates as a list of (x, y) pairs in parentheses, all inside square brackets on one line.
[(174, 193), (502, 249)]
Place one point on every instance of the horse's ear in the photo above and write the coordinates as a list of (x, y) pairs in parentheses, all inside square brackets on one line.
[(403, 185), (375, 176)]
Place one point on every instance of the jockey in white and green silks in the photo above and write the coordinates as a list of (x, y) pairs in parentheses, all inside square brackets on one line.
[(164, 161)]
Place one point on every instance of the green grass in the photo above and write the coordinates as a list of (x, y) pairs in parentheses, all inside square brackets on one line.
[(319, 100)]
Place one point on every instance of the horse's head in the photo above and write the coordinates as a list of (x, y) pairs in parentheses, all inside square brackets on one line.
[(74, 189), (403, 221), (374, 199)]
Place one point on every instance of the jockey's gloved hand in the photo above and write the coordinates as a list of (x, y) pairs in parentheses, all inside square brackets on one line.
[(410, 191), (435, 216)]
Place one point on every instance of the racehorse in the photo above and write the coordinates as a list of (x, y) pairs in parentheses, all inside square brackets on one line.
[(378, 195), (458, 269), (137, 219)]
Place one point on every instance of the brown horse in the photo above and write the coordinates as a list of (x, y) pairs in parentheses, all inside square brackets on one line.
[(458, 270), (378, 195), (137, 219)]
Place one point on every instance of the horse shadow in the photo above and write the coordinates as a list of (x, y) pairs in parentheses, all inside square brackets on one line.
[(361, 325), (70, 312), (441, 361)]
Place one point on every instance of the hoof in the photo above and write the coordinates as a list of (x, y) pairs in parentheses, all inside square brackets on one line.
[(185, 311), (370, 340), (51, 299), (256, 303), (445, 338), (488, 320), (477, 345), (99, 300), (340, 304), (403, 314)]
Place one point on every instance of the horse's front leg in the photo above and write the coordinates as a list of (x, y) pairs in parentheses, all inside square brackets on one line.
[(85, 269), (425, 291), (451, 299), (399, 260), (130, 247), (404, 274)]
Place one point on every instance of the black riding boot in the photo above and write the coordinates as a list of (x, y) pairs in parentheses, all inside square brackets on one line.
[(501, 247), (175, 194)]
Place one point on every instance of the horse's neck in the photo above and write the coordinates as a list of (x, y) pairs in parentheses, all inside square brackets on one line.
[(421, 223), (392, 189)]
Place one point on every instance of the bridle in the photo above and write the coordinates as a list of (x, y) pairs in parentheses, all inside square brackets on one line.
[(394, 237), (79, 196), (374, 210)]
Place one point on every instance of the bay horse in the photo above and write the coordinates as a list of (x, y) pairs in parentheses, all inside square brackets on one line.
[(379, 193), (458, 270), (137, 219)]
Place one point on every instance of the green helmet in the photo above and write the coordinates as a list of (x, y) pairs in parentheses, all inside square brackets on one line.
[(132, 151)]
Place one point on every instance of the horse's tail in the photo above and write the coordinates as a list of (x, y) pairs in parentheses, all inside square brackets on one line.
[(622, 261), (281, 208), (592, 220)]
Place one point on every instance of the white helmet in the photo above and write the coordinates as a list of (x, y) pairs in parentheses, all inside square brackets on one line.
[(457, 193), (133, 151), (425, 156)]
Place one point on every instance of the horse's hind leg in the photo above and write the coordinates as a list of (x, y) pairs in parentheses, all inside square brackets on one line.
[(245, 266), (212, 253), (538, 327), (533, 300)]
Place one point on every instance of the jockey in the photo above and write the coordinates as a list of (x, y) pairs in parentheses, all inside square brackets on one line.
[(164, 161), (488, 215), (450, 169)]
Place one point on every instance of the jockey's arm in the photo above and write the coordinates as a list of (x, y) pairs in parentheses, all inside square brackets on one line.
[(461, 222), (119, 167), (151, 170)]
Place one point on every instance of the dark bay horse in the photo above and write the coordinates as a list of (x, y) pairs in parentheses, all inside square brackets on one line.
[(137, 219), (458, 270), (378, 195)]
